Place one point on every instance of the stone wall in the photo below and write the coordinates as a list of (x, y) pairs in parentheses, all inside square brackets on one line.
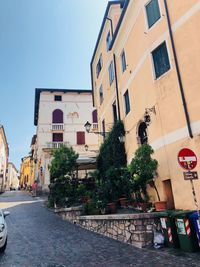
[(71, 214), (135, 229)]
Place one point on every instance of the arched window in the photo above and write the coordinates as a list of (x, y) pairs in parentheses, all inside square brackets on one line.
[(142, 133), (57, 116), (94, 116)]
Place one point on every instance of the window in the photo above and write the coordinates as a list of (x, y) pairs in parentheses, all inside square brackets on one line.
[(94, 116), (99, 65), (101, 94), (57, 98), (57, 137), (123, 61), (153, 12), (160, 60), (108, 41), (57, 116), (127, 102), (80, 136), (114, 108), (103, 129), (111, 72)]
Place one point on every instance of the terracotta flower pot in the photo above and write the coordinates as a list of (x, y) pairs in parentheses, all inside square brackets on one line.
[(160, 205), (123, 202), (112, 207)]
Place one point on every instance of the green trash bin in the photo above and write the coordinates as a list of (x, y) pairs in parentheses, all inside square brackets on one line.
[(169, 228), (186, 231)]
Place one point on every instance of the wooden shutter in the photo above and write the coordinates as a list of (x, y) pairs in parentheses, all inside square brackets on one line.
[(80, 138)]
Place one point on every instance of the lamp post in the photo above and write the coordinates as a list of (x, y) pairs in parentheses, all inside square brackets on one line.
[(88, 128), (147, 117)]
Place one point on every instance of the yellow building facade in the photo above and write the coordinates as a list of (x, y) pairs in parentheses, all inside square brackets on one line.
[(27, 172), (146, 71)]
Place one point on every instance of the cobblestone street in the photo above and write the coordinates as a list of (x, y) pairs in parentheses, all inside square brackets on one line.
[(39, 238)]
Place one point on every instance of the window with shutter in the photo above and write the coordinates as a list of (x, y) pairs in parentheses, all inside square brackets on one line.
[(99, 65), (161, 60), (94, 116), (101, 94), (153, 12), (57, 137), (114, 108), (111, 72), (108, 41), (127, 102), (80, 138), (57, 116), (123, 61), (103, 129)]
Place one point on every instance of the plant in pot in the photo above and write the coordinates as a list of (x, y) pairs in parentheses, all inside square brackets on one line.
[(124, 186), (142, 168), (159, 205)]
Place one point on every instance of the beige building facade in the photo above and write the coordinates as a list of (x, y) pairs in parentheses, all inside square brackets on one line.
[(146, 72), (12, 177), (60, 115), (27, 172), (4, 154)]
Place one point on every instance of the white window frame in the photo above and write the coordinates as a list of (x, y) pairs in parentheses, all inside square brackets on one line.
[(152, 61), (146, 2)]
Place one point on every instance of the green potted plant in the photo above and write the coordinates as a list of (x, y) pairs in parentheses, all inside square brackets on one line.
[(143, 169), (159, 205)]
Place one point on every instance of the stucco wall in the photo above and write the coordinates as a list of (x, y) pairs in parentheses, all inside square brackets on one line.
[(167, 132)]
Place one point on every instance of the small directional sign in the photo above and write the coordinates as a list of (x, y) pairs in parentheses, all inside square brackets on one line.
[(190, 175)]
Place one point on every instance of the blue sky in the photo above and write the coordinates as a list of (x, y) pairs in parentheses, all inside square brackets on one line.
[(43, 43)]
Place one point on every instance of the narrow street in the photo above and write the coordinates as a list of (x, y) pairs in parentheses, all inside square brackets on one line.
[(39, 238)]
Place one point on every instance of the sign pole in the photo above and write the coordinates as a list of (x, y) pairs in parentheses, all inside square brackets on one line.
[(195, 198)]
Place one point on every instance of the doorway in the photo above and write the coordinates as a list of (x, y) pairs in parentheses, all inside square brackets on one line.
[(169, 194)]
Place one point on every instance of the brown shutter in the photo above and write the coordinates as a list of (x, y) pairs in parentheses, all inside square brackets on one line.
[(57, 137), (80, 138), (94, 116)]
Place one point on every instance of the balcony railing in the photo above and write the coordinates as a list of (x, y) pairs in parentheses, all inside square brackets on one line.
[(56, 144), (94, 127), (57, 127)]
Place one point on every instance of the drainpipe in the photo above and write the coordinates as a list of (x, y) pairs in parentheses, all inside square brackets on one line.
[(178, 72), (116, 86), (115, 71)]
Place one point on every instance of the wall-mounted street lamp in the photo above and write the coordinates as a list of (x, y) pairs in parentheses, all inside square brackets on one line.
[(147, 117), (88, 129)]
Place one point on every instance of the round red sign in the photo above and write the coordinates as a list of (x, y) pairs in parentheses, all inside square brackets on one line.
[(187, 159)]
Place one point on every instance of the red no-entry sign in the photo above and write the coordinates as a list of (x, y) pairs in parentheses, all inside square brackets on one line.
[(187, 159)]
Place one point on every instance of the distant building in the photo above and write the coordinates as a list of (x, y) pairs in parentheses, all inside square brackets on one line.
[(26, 172), (4, 153), (60, 115), (146, 71), (12, 177)]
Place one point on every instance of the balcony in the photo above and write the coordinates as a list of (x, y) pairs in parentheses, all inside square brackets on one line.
[(57, 127), (54, 145), (94, 127)]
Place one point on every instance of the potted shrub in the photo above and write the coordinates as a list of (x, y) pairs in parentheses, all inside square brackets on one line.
[(143, 169), (159, 205)]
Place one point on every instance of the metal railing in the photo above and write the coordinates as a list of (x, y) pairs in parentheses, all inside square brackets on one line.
[(57, 127), (56, 144)]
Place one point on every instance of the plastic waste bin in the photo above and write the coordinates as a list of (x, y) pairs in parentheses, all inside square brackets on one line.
[(169, 229), (194, 218), (186, 231)]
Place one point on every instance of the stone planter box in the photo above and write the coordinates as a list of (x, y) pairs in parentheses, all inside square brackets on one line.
[(135, 229)]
